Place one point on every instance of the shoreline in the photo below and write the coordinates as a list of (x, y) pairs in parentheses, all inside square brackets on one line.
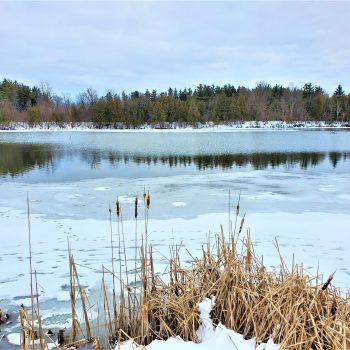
[(208, 127)]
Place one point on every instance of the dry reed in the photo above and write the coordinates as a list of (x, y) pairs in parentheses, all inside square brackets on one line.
[(297, 310)]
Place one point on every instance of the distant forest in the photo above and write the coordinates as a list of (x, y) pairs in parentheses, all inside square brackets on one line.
[(218, 104)]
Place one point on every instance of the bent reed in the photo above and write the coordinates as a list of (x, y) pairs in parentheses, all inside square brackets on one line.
[(297, 310)]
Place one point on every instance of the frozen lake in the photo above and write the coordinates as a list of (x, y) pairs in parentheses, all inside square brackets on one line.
[(294, 185)]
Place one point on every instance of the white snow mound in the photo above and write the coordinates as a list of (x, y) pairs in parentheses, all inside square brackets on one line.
[(209, 336)]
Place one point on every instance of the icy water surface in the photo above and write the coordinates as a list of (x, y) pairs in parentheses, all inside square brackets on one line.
[(294, 185)]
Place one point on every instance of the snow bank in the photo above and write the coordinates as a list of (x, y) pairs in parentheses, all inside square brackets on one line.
[(209, 126), (209, 336)]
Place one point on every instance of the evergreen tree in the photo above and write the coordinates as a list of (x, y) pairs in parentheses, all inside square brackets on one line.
[(242, 107), (339, 101), (153, 96), (308, 90), (193, 115), (339, 92)]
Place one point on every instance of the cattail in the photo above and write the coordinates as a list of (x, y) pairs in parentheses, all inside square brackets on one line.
[(328, 282), (144, 195), (241, 226), (237, 209), (117, 208), (136, 207), (148, 201), (110, 210)]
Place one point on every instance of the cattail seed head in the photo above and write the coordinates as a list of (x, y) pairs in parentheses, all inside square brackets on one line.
[(328, 282), (136, 201), (148, 201), (117, 208), (237, 209), (144, 195), (241, 225)]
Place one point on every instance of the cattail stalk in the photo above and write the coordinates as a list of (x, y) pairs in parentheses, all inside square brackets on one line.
[(113, 275), (135, 265), (30, 271), (41, 333)]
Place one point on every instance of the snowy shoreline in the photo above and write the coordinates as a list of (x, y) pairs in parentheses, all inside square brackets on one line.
[(174, 127)]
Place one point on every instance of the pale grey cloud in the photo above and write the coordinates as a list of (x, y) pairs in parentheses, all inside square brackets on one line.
[(135, 45)]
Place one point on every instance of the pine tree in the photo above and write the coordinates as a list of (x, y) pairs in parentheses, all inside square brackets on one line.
[(339, 91), (338, 98)]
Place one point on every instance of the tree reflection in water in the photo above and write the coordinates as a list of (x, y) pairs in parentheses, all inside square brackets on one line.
[(18, 159)]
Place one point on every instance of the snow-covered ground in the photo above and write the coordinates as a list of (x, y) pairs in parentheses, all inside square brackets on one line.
[(173, 127)]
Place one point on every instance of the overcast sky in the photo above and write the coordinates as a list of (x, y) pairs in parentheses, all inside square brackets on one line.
[(138, 45)]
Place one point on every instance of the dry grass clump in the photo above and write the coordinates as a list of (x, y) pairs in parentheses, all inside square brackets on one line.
[(292, 307), (297, 310)]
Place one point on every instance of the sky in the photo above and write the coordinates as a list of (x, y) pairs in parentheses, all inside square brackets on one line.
[(138, 45)]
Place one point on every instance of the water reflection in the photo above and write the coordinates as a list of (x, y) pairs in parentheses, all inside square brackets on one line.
[(18, 159)]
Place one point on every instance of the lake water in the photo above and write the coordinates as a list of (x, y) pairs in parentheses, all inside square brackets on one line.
[(294, 185)]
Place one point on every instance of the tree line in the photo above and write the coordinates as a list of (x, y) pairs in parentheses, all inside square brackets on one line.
[(218, 104)]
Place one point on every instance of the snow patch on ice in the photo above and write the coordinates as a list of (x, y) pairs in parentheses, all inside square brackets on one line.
[(15, 339), (179, 204), (102, 188)]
